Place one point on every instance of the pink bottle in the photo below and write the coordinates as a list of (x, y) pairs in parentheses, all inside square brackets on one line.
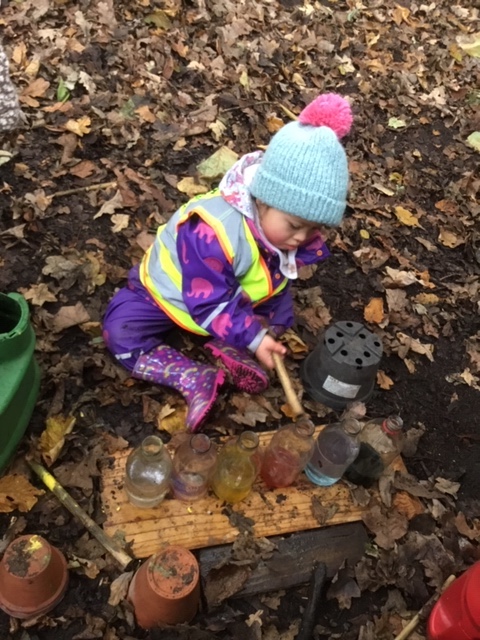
[(456, 615)]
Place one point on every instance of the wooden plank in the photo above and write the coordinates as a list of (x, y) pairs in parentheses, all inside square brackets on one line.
[(292, 561), (206, 523)]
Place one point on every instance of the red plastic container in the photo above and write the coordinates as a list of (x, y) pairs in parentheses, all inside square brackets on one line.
[(456, 615)]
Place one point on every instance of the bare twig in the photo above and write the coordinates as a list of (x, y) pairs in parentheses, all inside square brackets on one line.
[(289, 113), (92, 527), (91, 187), (424, 611)]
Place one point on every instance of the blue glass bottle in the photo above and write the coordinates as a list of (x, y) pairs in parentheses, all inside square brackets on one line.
[(335, 449)]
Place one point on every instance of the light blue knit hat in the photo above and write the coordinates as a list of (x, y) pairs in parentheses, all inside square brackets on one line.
[(304, 170)]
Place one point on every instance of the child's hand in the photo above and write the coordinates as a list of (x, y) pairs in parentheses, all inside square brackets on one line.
[(265, 348)]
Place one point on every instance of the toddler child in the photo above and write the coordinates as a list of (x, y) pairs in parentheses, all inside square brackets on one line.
[(223, 263)]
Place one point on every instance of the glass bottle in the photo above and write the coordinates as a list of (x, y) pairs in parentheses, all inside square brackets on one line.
[(335, 448), (236, 468), (287, 453), (381, 441), (147, 473), (193, 464)]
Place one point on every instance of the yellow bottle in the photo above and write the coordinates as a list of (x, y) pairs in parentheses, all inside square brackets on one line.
[(236, 468)]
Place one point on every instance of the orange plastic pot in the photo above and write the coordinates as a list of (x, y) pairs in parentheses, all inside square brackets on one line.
[(33, 577), (166, 588)]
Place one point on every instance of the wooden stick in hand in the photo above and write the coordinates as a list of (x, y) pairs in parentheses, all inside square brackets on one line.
[(286, 383)]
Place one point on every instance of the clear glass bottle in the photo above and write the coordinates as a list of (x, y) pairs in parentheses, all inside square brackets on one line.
[(287, 453), (147, 473), (335, 448), (193, 464), (381, 441), (236, 468)]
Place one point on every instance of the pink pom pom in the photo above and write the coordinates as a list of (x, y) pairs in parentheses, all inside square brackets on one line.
[(328, 110)]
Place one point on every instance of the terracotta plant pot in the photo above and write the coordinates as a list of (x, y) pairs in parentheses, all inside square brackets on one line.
[(33, 577), (166, 588)]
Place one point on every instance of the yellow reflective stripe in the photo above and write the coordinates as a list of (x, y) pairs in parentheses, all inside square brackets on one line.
[(168, 266), (216, 225), (255, 286), (178, 316)]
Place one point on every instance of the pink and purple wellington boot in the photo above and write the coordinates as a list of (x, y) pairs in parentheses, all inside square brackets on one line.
[(198, 383), (246, 374)]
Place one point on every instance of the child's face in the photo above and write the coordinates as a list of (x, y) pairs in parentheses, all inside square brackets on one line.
[(283, 230)]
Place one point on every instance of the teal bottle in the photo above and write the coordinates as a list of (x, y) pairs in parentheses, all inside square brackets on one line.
[(19, 373)]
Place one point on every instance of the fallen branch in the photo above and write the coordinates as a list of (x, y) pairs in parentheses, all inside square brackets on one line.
[(92, 527), (424, 611), (91, 187)]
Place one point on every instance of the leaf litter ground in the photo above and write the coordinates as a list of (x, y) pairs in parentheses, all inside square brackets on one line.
[(127, 99)]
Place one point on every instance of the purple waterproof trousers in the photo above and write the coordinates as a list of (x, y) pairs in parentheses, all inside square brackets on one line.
[(134, 323)]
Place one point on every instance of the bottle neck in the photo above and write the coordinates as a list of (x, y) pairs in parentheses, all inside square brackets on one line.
[(152, 446), (248, 441), (304, 429), (392, 426), (200, 443), (351, 426)]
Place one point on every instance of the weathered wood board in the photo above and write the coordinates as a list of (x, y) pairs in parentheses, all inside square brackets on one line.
[(206, 522), (291, 562)]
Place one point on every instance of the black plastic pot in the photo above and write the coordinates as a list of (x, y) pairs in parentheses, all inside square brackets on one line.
[(343, 366)]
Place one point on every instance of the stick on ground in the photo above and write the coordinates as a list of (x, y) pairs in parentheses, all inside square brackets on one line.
[(424, 611), (92, 527)]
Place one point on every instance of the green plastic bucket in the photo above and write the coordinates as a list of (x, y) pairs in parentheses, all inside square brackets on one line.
[(19, 373)]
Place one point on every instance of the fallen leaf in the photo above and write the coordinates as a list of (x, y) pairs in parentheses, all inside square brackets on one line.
[(120, 221), (374, 311), (387, 526), (159, 19), (172, 420), (79, 127), (449, 238), (384, 381), (294, 342), (36, 89), (406, 218), (274, 124), (464, 529), (38, 294), (52, 438), (119, 588), (83, 169), (145, 114), (447, 486), (408, 506), (190, 187), (110, 206), (470, 44), (411, 344), (70, 317), (218, 129), (474, 140), (320, 513), (255, 618), (217, 164), (16, 492), (396, 123)]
